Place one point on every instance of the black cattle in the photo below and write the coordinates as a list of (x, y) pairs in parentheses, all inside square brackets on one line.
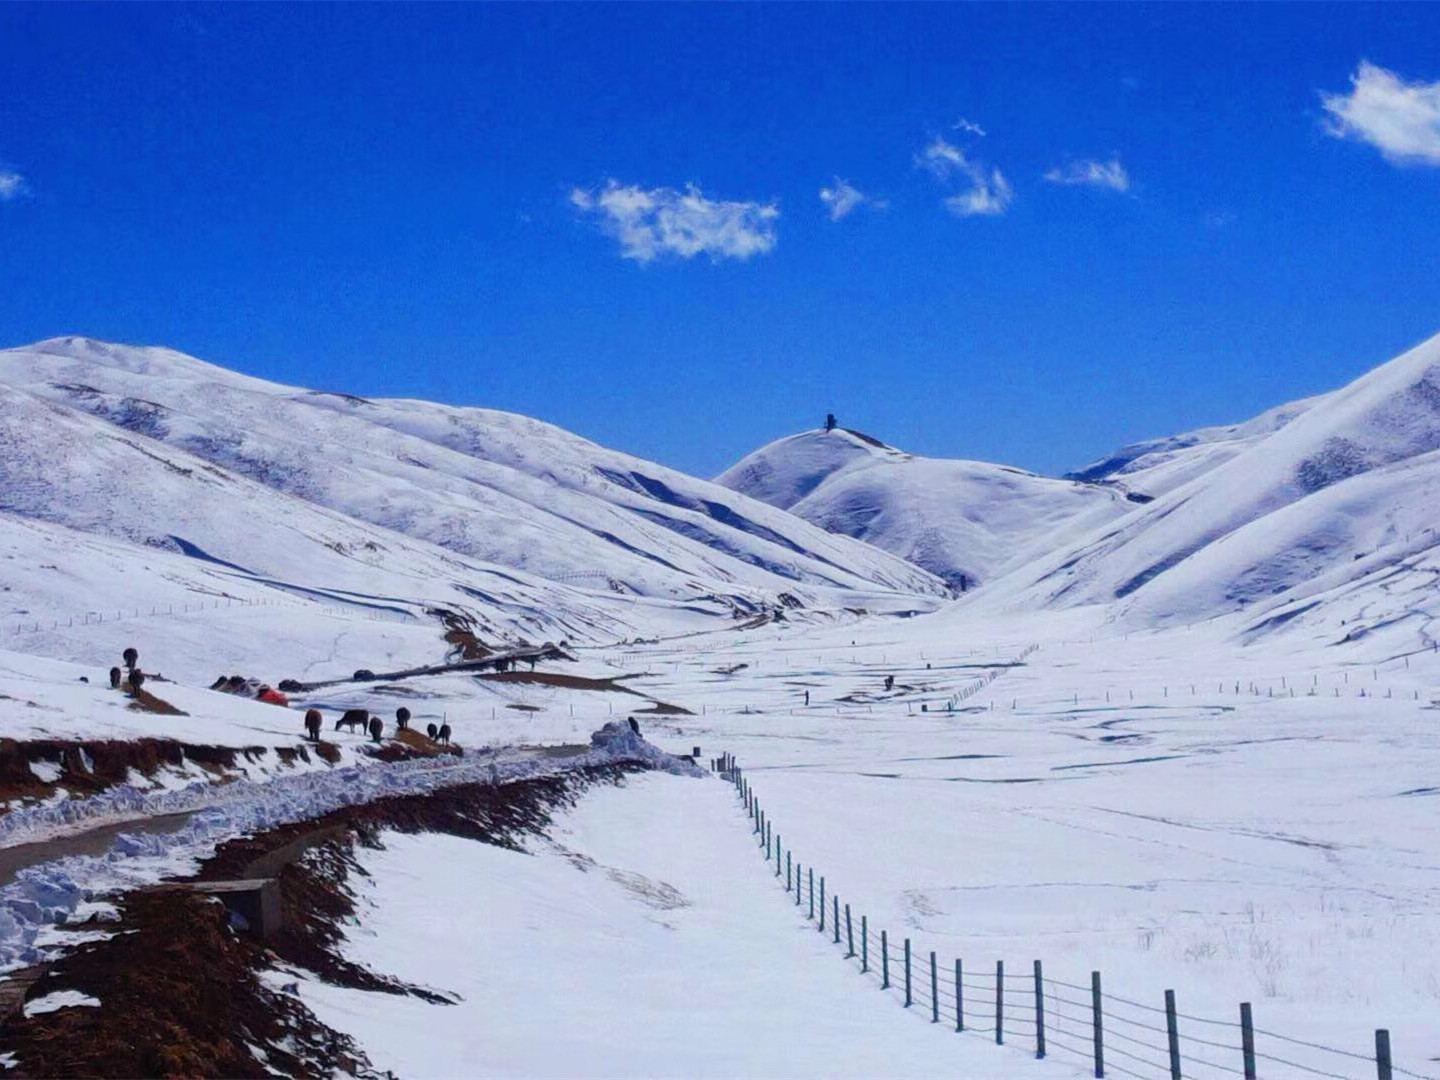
[(137, 679), (432, 731), (131, 657), (889, 682), (115, 678), (312, 724), (444, 735), (363, 674), (633, 725), (352, 719), (402, 718), (377, 727)]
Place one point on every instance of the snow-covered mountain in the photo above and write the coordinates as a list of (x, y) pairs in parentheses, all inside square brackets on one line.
[(1154, 466), (392, 500), (1330, 498), (955, 518)]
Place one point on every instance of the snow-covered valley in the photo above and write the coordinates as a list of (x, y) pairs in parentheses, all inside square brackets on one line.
[(1190, 743)]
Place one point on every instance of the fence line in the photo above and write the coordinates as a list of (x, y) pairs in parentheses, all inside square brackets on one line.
[(1032, 1006), (97, 618)]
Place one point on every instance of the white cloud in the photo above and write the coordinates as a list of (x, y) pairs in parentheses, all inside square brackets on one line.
[(651, 222), (989, 193), (1102, 174), (841, 198), (968, 126), (1401, 119), (12, 185)]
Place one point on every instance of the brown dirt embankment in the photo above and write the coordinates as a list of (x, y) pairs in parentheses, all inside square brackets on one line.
[(88, 766), (180, 988)]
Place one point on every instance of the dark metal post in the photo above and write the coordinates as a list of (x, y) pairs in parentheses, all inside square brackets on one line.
[(934, 991), (1097, 1018), (1247, 1040), (812, 892), (959, 997), (849, 934), (1382, 1054), (884, 961), (835, 922), (908, 998), (787, 871), (999, 1001), (1039, 1012), (822, 904), (1172, 1033), (864, 944)]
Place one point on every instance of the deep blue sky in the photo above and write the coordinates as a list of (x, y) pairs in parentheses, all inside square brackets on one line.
[(378, 199)]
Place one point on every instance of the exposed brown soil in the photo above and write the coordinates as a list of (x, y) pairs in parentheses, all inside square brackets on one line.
[(180, 990), (92, 765), (551, 678), (662, 708), (143, 701)]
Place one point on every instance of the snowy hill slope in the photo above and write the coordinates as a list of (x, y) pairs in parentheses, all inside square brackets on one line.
[(1154, 466), (1344, 489), (953, 518), (180, 440)]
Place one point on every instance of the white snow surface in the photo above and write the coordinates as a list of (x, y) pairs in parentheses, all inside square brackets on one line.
[(645, 938), (951, 517)]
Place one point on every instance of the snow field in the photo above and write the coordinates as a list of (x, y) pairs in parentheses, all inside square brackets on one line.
[(1231, 847), (645, 938)]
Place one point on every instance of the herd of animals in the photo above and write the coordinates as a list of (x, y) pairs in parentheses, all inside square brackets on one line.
[(351, 719)]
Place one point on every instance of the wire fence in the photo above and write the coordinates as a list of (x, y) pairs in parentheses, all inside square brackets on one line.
[(1113, 1035), (94, 617)]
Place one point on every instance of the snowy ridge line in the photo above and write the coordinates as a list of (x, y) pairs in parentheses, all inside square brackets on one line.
[(48, 895), (934, 986), (370, 613)]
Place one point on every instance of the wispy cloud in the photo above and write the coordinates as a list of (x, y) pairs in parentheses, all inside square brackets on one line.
[(968, 126), (12, 185), (840, 198), (1400, 119), (651, 222), (1090, 173), (989, 193)]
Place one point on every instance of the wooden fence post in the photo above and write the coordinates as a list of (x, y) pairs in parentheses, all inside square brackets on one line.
[(959, 997), (999, 1001), (884, 961), (1172, 1034), (1097, 1021), (1382, 1054), (1247, 1040), (1039, 1012)]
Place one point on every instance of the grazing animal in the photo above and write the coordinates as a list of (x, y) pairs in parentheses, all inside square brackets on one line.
[(131, 657), (137, 679), (362, 674), (889, 682), (352, 719), (376, 728), (115, 678), (633, 725), (432, 731), (402, 718), (444, 734), (312, 724)]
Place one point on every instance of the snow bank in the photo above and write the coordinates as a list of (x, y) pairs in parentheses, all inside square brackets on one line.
[(50, 894)]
